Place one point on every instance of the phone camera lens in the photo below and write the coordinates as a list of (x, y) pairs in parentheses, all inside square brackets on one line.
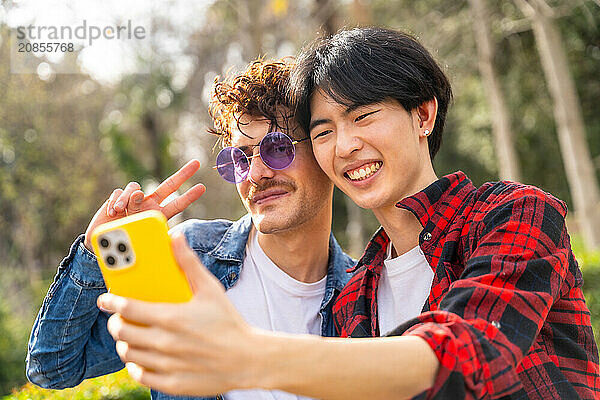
[(122, 248), (104, 243), (110, 260)]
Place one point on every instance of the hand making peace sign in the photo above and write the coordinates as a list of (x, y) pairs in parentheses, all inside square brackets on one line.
[(132, 200)]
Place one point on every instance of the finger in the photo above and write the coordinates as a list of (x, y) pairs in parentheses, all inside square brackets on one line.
[(150, 359), (172, 183), (200, 278), (111, 202), (169, 341), (135, 201), (162, 381), (182, 202), (137, 311), (99, 305), (175, 383), (137, 335), (123, 200)]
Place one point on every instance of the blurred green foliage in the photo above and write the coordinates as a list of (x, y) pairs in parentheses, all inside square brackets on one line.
[(589, 262), (13, 343), (117, 386)]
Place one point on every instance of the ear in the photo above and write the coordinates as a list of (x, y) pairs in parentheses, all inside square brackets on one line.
[(425, 114)]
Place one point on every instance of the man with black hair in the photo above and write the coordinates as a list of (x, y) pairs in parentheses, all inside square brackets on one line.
[(477, 289)]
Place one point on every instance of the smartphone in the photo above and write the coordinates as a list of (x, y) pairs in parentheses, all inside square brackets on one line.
[(137, 260)]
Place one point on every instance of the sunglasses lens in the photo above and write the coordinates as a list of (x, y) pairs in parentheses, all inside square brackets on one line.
[(277, 150), (232, 164)]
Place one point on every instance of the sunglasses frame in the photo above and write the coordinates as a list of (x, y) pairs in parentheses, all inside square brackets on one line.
[(249, 158)]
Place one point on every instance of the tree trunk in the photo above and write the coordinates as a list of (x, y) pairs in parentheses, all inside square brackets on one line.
[(361, 13), (508, 162), (567, 112), (325, 13)]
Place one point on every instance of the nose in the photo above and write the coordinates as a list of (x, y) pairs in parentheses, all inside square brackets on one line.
[(347, 142), (258, 169)]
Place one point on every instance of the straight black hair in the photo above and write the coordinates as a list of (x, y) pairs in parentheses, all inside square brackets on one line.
[(363, 66)]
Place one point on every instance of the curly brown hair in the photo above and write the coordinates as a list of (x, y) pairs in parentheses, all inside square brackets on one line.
[(260, 91)]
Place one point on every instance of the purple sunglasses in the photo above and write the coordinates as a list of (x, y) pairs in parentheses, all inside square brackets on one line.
[(276, 150)]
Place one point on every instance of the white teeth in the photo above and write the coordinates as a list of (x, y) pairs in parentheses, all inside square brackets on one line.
[(364, 171)]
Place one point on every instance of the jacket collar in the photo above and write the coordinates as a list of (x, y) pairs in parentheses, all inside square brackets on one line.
[(338, 264), (232, 247), (438, 203), (435, 207)]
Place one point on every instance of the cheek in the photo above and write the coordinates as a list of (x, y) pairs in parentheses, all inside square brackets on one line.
[(323, 156), (242, 189)]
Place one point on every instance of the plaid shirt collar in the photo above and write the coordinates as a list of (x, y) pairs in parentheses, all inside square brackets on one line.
[(435, 207)]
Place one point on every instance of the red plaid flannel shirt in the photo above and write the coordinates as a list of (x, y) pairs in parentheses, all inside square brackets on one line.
[(506, 316)]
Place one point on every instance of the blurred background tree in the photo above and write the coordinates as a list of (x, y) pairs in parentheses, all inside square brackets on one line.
[(66, 141)]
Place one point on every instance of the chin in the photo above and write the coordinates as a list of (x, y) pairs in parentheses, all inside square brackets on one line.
[(371, 201), (267, 224), (362, 199)]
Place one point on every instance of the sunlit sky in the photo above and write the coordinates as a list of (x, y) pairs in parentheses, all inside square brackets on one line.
[(107, 60)]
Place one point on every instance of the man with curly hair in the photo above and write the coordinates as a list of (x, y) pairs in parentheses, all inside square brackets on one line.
[(280, 264)]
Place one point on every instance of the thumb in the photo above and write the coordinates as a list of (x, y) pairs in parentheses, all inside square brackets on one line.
[(199, 277)]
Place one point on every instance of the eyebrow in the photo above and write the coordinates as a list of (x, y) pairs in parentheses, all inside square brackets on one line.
[(317, 122)]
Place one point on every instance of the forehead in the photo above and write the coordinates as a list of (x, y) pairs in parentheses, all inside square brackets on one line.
[(321, 102), (324, 106), (252, 129)]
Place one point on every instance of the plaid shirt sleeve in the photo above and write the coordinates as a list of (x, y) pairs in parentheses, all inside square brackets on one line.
[(518, 266)]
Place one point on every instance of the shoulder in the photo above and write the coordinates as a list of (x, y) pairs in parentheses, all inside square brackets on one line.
[(499, 203), (496, 193), (203, 235)]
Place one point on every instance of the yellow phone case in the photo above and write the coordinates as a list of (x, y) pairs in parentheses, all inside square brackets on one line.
[(137, 261)]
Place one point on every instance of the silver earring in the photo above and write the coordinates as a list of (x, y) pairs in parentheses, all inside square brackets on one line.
[(426, 132)]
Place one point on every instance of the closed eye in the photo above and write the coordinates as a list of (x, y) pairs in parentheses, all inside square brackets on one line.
[(363, 116), (320, 134)]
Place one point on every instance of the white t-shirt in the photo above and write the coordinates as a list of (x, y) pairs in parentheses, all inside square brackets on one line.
[(270, 299), (404, 287)]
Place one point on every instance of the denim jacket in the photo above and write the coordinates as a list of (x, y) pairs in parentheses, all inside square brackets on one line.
[(69, 340)]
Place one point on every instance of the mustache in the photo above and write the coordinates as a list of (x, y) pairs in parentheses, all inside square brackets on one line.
[(257, 188)]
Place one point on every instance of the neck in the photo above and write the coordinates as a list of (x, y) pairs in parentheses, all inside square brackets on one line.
[(302, 252), (402, 226)]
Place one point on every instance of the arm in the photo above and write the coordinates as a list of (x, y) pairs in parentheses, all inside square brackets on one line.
[(204, 347), (334, 368), (69, 341)]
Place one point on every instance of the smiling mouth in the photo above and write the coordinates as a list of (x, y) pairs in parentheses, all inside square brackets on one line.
[(267, 196), (363, 172)]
